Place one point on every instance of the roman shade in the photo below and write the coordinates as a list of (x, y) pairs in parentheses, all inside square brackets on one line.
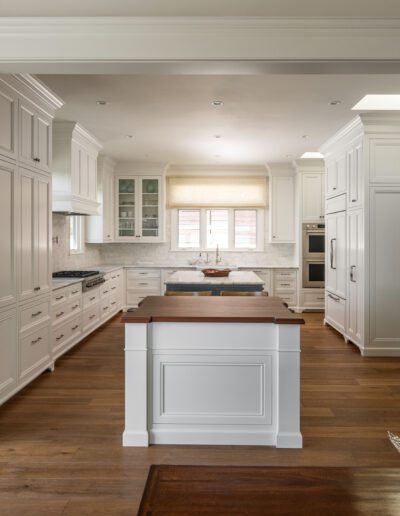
[(217, 192)]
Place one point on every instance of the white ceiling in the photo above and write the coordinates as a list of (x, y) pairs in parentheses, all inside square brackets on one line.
[(285, 8), (171, 118)]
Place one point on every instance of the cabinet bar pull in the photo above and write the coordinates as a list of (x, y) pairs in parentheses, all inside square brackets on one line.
[(352, 267), (37, 160), (36, 289), (36, 340), (60, 337), (60, 314), (105, 308), (91, 317), (74, 291), (59, 297), (36, 314), (113, 288), (332, 240), (75, 327), (74, 307), (92, 298), (334, 297)]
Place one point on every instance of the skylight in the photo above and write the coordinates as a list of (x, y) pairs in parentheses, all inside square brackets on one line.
[(378, 103), (312, 155)]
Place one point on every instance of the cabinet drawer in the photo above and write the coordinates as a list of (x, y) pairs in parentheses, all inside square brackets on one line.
[(59, 296), (282, 274), (60, 313), (336, 204), (285, 284), (105, 290), (66, 333), (105, 307), (335, 311), (113, 286), (313, 299), (113, 302), (91, 297), (90, 317), (34, 351), (75, 291), (145, 285), (141, 274), (34, 314), (133, 299), (288, 298)]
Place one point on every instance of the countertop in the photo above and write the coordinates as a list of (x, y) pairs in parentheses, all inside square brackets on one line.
[(66, 282), (198, 278), (209, 309)]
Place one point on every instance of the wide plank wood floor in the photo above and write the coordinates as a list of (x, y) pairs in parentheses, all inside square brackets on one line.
[(60, 438)]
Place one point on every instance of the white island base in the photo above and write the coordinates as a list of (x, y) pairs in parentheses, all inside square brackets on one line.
[(215, 383)]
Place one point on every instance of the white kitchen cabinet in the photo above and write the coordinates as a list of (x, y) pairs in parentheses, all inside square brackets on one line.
[(282, 209), (75, 153), (355, 244), (141, 283), (336, 249), (35, 234), (8, 353), (8, 233), (336, 177), (313, 197), (35, 136), (100, 228), (9, 122), (355, 177), (139, 209)]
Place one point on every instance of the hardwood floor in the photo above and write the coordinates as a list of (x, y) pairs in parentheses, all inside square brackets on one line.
[(60, 438)]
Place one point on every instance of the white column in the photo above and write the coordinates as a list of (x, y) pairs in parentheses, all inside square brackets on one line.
[(135, 433), (288, 424)]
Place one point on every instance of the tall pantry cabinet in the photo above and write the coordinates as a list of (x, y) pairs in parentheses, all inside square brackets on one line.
[(362, 232), (27, 108)]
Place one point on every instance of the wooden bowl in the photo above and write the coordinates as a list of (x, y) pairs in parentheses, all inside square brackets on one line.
[(216, 273)]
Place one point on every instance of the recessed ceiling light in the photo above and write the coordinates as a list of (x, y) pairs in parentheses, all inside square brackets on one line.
[(335, 102), (217, 136), (378, 102), (101, 102), (312, 155), (304, 136), (129, 136), (217, 103)]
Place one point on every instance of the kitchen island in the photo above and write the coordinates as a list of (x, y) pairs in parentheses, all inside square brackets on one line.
[(196, 281), (212, 370)]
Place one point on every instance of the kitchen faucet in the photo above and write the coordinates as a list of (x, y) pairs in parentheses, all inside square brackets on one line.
[(218, 258)]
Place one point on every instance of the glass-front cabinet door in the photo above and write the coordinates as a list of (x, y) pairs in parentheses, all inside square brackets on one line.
[(126, 216), (150, 207), (139, 208)]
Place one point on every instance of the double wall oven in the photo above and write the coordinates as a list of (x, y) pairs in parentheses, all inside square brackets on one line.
[(313, 255)]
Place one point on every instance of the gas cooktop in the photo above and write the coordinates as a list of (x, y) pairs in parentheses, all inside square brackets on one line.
[(74, 274)]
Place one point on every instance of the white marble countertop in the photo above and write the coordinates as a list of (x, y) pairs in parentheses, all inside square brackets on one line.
[(198, 278), (64, 282)]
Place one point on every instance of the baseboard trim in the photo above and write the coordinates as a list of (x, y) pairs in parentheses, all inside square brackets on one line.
[(213, 437), (289, 440), (135, 439)]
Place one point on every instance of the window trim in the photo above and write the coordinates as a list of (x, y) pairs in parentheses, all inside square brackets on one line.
[(174, 238), (80, 234)]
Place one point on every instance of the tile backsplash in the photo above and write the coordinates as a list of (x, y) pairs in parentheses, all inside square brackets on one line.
[(61, 257)]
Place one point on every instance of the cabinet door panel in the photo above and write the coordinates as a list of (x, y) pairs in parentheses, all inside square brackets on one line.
[(355, 187), (42, 205), (355, 272), (43, 142), (340, 255), (282, 210), (75, 164), (92, 177), (8, 352), (150, 214), (331, 180), (83, 173), (26, 133), (8, 126), (341, 174), (312, 198), (27, 234)]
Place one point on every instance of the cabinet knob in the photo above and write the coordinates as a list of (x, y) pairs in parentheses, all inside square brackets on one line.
[(334, 188)]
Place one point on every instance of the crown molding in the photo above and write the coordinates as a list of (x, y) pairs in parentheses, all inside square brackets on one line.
[(65, 129), (70, 40), (39, 88)]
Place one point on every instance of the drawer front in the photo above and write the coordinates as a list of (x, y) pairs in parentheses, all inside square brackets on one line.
[(133, 298), (91, 317), (60, 296), (282, 274), (105, 290), (335, 311), (34, 351), (91, 297), (65, 334), (113, 286), (114, 302), (285, 284), (145, 285), (288, 298), (75, 291), (34, 315), (336, 204), (61, 313), (105, 307), (313, 299), (140, 274)]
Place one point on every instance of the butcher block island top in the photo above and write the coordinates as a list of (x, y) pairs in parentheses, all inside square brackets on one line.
[(241, 309)]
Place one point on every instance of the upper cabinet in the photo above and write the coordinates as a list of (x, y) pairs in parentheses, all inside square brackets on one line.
[(336, 183), (139, 208), (282, 209), (355, 176), (100, 228), (9, 121), (34, 136), (75, 153), (313, 197)]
